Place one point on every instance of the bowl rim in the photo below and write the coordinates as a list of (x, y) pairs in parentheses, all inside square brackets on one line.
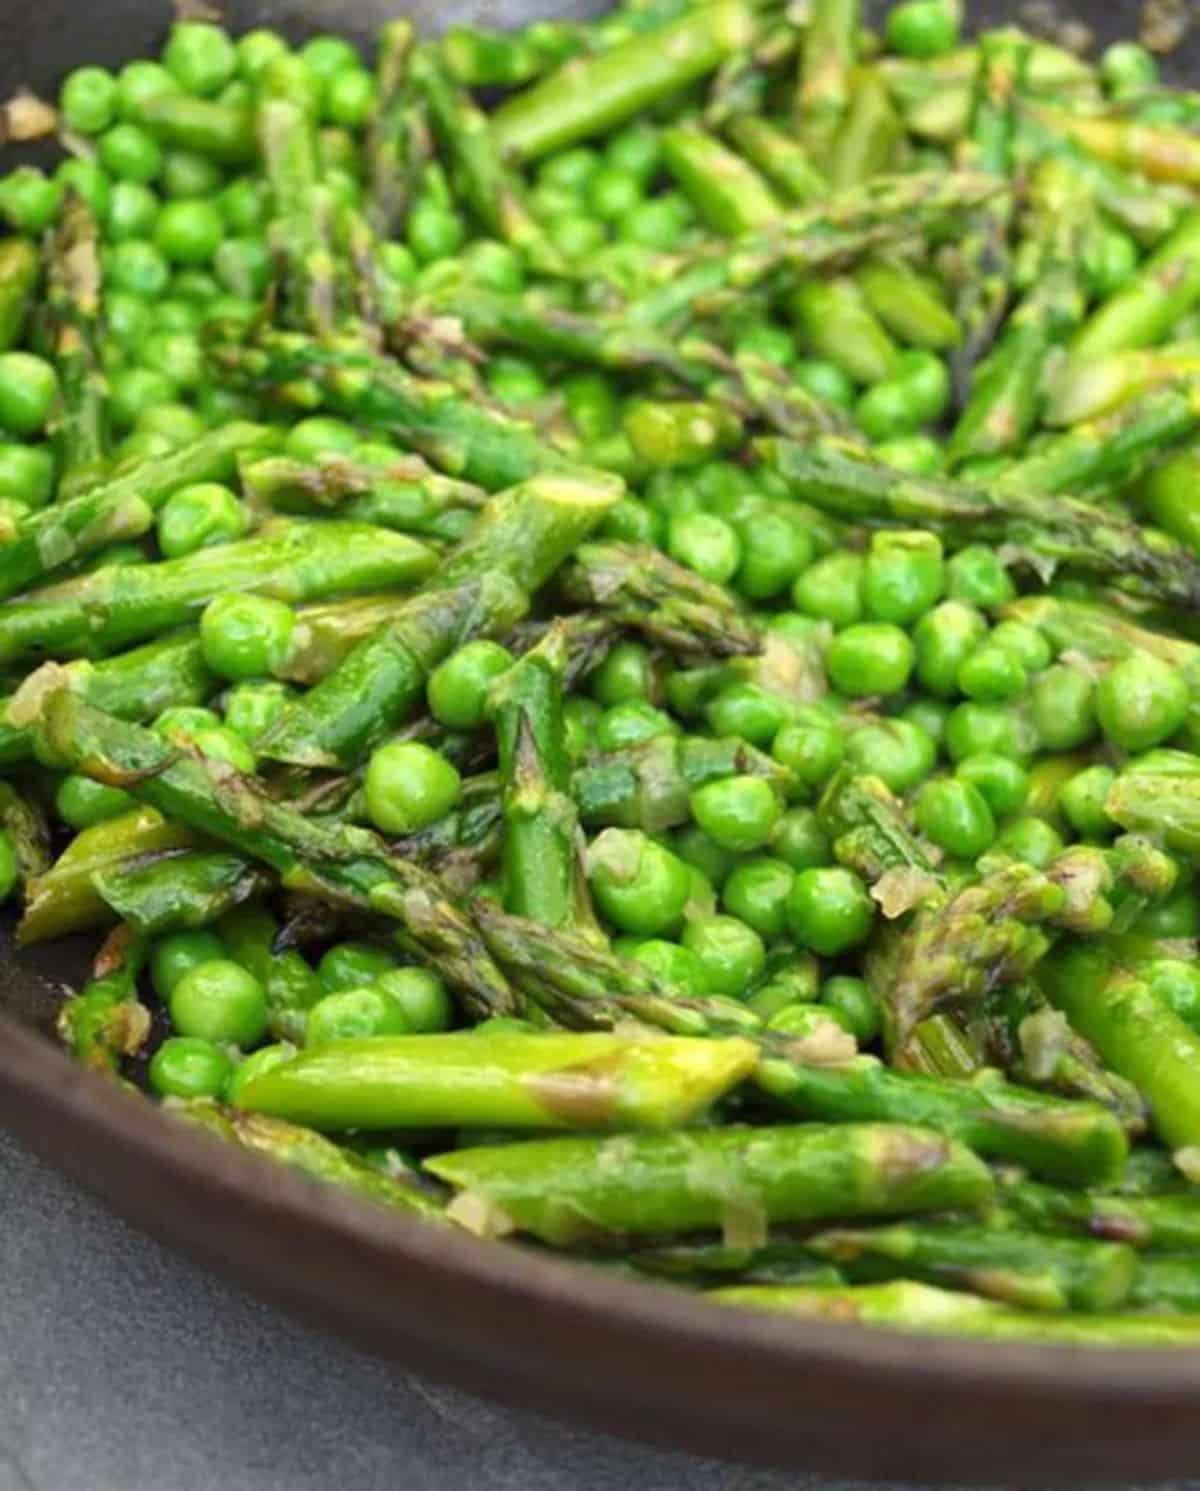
[(170, 1179)]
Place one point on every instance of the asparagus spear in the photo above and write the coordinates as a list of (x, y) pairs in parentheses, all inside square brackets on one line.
[(98, 613), (291, 986), (869, 134), (19, 269), (65, 899), (311, 1154), (780, 1260), (1095, 388), (590, 95), (122, 508), (826, 61), (1135, 1033), (202, 126), (1169, 1223), (1155, 802), (78, 425), (1166, 1284), (342, 865), (1072, 1142), (483, 586), (399, 144), (463, 846), (1049, 529), (726, 191), (178, 891), (1017, 1268), (527, 1081), (780, 157), (909, 1306), (1158, 151), (104, 1022), (907, 305)]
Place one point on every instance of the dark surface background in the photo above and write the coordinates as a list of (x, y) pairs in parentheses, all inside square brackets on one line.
[(123, 1368)]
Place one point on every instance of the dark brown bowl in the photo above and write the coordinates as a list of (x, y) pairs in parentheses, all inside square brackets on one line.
[(535, 1332)]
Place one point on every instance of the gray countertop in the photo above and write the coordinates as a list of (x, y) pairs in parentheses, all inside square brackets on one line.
[(124, 1368)]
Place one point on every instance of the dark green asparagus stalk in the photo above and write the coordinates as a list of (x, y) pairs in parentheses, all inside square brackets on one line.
[(79, 423), (20, 267), (1007, 391), (484, 586), (727, 192), (493, 192), (104, 1022), (1019, 510), (1169, 1223), (327, 632), (311, 1154), (98, 613), (176, 892), (827, 59), (65, 899), (399, 144), (291, 986), (1017, 1268), (705, 1264), (640, 587), (346, 866), (406, 495), (870, 133), (461, 848), (22, 819), (741, 85), (122, 508), (1075, 1143), (579, 1190), (589, 95), (924, 1309)]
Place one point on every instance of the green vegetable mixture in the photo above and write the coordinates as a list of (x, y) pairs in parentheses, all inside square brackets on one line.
[(603, 622)]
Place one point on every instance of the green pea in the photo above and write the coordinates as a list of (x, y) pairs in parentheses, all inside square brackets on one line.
[(257, 49), (354, 1014), (1140, 702), (252, 708), (408, 786), (1002, 782), (1026, 644), (706, 544), (768, 341), (943, 640), (26, 474), (139, 81), (29, 199), (801, 1022), (852, 1000), (421, 996), (219, 1001), (700, 852), (929, 715), (188, 232), (811, 749), (515, 381), (611, 193), (799, 840), (977, 575), (81, 802), (992, 673), (829, 910), (200, 57), (246, 636), (354, 965), (320, 436), (954, 815), (922, 28), (1063, 705), (28, 389), (1081, 801), (188, 177), (179, 423), (90, 180), (1033, 841), (434, 231), (458, 688), (825, 381), (886, 410), (998, 728), (1176, 916), (746, 710), (730, 953), (926, 382), (132, 156), (243, 206), (581, 719), (88, 100), (189, 1067), (592, 403), (197, 517), (138, 268), (1171, 497), (739, 812), (216, 743), (775, 550), (831, 589), (756, 893), (917, 455), (180, 723), (902, 576), (576, 235), (1110, 260), (673, 964), (869, 659), (639, 886), (900, 753), (631, 724), (350, 97), (630, 521), (1127, 68), (636, 151)]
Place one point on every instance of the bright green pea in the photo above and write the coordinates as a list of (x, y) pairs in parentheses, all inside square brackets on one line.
[(611, 194), (28, 389), (1110, 260), (354, 965), (1081, 801), (1140, 702), (324, 56), (353, 1014), (756, 893), (706, 544), (29, 199), (852, 1000), (954, 815), (137, 267), (1002, 782), (180, 723), (221, 1002), (730, 953), (1176, 916), (829, 910), (139, 81), (738, 812), (434, 231), (350, 97), (926, 382), (673, 964), (636, 151), (1127, 68), (825, 381), (252, 708), (811, 749), (628, 672), (902, 577), (188, 1067), (992, 673), (799, 840), (869, 659), (421, 996), (216, 743), (88, 100), (320, 436), (748, 711), (897, 751), (639, 886), (408, 786), (831, 589), (887, 410), (769, 341), (458, 688), (998, 728), (515, 381), (200, 57), (188, 232), (700, 852), (177, 954), (918, 455), (775, 550), (1063, 706), (81, 802), (1033, 841), (630, 521), (922, 28), (26, 474), (246, 636), (576, 235), (1026, 644), (631, 724), (197, 517), (189, 177), (977, 575), (943, 640), (90, 180)]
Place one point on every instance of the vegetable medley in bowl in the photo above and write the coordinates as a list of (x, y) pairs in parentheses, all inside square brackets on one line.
[(599, 619)]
